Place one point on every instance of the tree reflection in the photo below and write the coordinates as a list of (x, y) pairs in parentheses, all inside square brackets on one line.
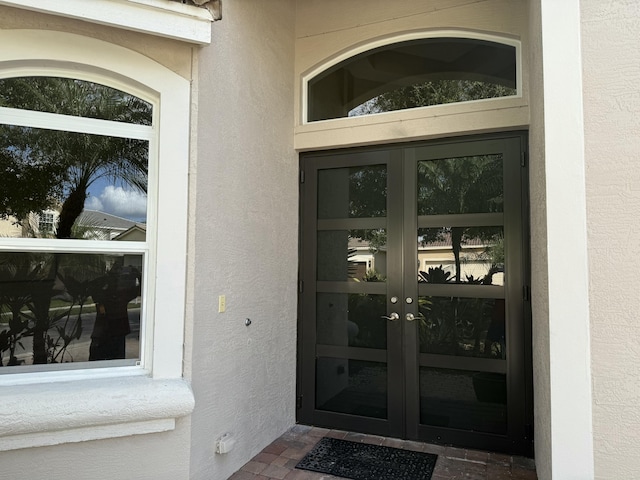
[(43, 296), (459, 186), (54, 313), (433, 92), (68, 163)]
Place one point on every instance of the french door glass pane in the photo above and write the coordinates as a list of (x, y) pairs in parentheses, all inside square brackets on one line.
[(352, 192), (351, 386), (69, 307), (353, 320), (352, 255), (470, 327), (460, 185), (463, 400), (470, 255)]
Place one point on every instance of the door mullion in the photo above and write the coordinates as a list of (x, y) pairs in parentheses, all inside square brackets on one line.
[(395, 362), (410, 264)]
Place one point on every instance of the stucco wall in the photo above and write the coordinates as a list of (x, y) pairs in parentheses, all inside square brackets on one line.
[(246, 200), (539, 267), (162, 456), (562, 385), (611, 68)]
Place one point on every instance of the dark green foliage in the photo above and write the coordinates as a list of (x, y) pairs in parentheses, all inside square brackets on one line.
[(73, 97), (58, 167), (28, 184), (435, 92)]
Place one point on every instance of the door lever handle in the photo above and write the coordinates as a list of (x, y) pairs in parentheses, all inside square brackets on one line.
[(393, 316), (411, 317)]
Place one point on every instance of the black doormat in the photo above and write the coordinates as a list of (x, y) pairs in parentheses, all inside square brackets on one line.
[(361, 461)]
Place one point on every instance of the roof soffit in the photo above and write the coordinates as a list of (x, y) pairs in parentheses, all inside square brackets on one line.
[(164, 18)]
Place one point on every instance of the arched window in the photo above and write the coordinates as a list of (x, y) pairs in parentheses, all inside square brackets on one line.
[(94, 156), (95, 191), (74, 156), (411, 74)]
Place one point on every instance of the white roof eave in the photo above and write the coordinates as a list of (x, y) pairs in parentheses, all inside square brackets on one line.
[(163, 18)]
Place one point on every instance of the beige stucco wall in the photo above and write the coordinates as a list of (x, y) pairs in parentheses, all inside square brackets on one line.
[(245, 193), (539, 282), (611, 68)]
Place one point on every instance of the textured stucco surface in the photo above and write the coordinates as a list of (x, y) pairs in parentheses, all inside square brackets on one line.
[(159, 456), (561, 326), (539, 283), (245, 245), (611, 68), (57, 406)]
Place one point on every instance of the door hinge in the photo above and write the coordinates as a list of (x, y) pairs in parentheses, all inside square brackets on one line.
[(526, 293), (300, 286), (301, 176), (523, 159), (299, 401)]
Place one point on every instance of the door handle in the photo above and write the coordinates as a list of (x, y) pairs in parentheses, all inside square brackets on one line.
[(393, 316), (411, 317)]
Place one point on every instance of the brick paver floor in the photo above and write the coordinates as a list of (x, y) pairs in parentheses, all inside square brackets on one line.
[(278, 460)]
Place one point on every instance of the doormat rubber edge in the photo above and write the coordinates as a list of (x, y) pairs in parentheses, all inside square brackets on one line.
[(363, 461)]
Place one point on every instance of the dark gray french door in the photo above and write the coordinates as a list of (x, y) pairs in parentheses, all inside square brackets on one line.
[(413, 292)]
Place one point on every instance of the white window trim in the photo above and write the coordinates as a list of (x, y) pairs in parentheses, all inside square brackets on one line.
[(125, 407), (157, 17), (404, 37)]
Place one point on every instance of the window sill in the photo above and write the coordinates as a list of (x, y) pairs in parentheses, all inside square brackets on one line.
[(156, 17), (42, 414)]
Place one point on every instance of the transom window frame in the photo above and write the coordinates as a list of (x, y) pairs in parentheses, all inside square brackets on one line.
[(399, 38), (155, 391)]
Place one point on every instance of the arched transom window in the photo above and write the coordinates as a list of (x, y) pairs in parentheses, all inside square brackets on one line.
[(412, 74)]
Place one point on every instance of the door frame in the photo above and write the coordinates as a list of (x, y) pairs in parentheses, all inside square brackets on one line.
[(401, 409)]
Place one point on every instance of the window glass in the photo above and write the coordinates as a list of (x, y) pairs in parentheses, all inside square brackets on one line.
[(350, 386), (80, 301), (462, 399), (69, 307), (70, 96), (455, 255), (352, 192), (468, 327), (353, 319), (82, 186), (352, 255), (460, 185), (412, 74)]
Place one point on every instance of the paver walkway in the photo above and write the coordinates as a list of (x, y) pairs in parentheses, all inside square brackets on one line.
[(278, 460)]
